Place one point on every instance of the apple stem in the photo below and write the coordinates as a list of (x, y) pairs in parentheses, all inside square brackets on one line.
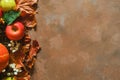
[(14, 28)]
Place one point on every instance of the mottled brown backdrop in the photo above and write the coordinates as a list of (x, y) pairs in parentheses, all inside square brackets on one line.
[(80, 40)]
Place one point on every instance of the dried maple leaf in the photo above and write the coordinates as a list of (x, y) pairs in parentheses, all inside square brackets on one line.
[(26, 6), (26, 43), (28, 20), (30, 63), (33, 50), (30, 59), (18, 58)]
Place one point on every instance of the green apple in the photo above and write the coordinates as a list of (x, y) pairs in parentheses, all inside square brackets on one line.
[(7, 5), (10, 78)]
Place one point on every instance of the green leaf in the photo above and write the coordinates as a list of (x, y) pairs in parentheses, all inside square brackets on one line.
[(11, 16)]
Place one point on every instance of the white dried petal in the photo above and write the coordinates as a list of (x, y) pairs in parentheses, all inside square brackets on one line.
[(12, 65), (8, 74), (11, 41), (17, 70), (14, 69), (9, 45), (20, 70), (13, 51), (15, 73), (3, 70)]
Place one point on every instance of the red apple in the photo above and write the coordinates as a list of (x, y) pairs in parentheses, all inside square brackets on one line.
[(4, 57), (15, 31), (1, 12)]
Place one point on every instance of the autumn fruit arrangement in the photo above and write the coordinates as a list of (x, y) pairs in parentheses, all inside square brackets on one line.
[(17, 50)]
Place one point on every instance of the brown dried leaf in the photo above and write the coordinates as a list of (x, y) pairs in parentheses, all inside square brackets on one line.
[(26, 6), (29, 21), (27, 39), (28, 11), (33, 50), (23, 76), (26, 43), (31, 63), (20, 55), (30, 59), (18, 58)]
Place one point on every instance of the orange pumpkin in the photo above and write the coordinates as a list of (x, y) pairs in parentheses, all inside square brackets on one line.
[(4, 57)]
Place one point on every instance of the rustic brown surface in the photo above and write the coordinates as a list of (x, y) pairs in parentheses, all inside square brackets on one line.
[(80, 40)]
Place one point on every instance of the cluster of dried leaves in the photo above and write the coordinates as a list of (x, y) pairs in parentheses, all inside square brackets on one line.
[(25, 57), (28, 10)]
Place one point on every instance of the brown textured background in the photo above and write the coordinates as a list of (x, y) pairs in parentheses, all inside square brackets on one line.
[(80, 40)]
